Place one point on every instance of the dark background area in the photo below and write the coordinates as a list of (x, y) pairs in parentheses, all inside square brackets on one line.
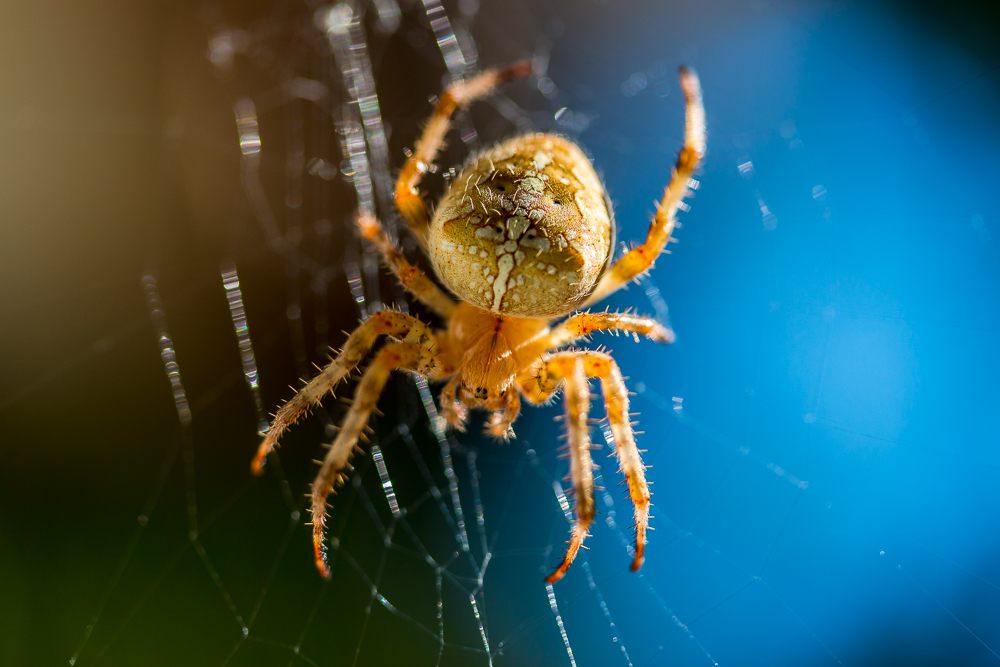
[(822, 435)]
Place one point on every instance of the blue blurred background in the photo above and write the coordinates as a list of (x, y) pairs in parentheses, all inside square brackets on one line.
[(823, 432), (821, 436)]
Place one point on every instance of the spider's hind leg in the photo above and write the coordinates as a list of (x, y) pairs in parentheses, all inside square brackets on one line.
[(461, 94), (412, 278), (641, 258)]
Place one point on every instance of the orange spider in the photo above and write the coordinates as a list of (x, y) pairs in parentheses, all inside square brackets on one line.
[(523, 236)]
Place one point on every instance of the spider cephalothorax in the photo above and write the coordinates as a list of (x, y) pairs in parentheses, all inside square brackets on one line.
[(523, 235)]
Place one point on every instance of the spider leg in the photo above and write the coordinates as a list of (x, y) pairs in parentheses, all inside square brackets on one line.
[(641, 258), (500, 421), (601, 365), (461, 94), (357, 346), (583, 324), (421, 358), (412, 278), (581, 466)]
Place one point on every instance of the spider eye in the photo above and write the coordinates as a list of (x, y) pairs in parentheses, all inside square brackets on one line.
[(502, 188), (556, 202)]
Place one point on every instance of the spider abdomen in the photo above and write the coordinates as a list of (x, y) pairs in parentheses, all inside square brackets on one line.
[(525, 229)]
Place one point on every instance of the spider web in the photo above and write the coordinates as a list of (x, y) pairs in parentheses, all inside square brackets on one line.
[(807, 511)]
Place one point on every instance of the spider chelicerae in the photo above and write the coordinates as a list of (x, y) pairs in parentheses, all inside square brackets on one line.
[(524, 235)]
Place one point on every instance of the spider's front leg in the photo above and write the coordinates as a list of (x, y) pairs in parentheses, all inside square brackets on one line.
[(569, 365), (417, 357), (570, 368), (357, 346), (641, 258)]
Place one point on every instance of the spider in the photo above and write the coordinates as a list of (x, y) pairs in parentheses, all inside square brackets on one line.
[(523, 235)]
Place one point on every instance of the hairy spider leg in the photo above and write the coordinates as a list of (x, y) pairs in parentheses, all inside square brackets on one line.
[(602, 366), (535, 382), (461, 94), (570, 368), (581, 325), (412, 278), (420, 357), (357, 346), (641, 258)]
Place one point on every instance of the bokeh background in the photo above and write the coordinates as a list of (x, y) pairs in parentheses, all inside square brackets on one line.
[(822, 435)]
